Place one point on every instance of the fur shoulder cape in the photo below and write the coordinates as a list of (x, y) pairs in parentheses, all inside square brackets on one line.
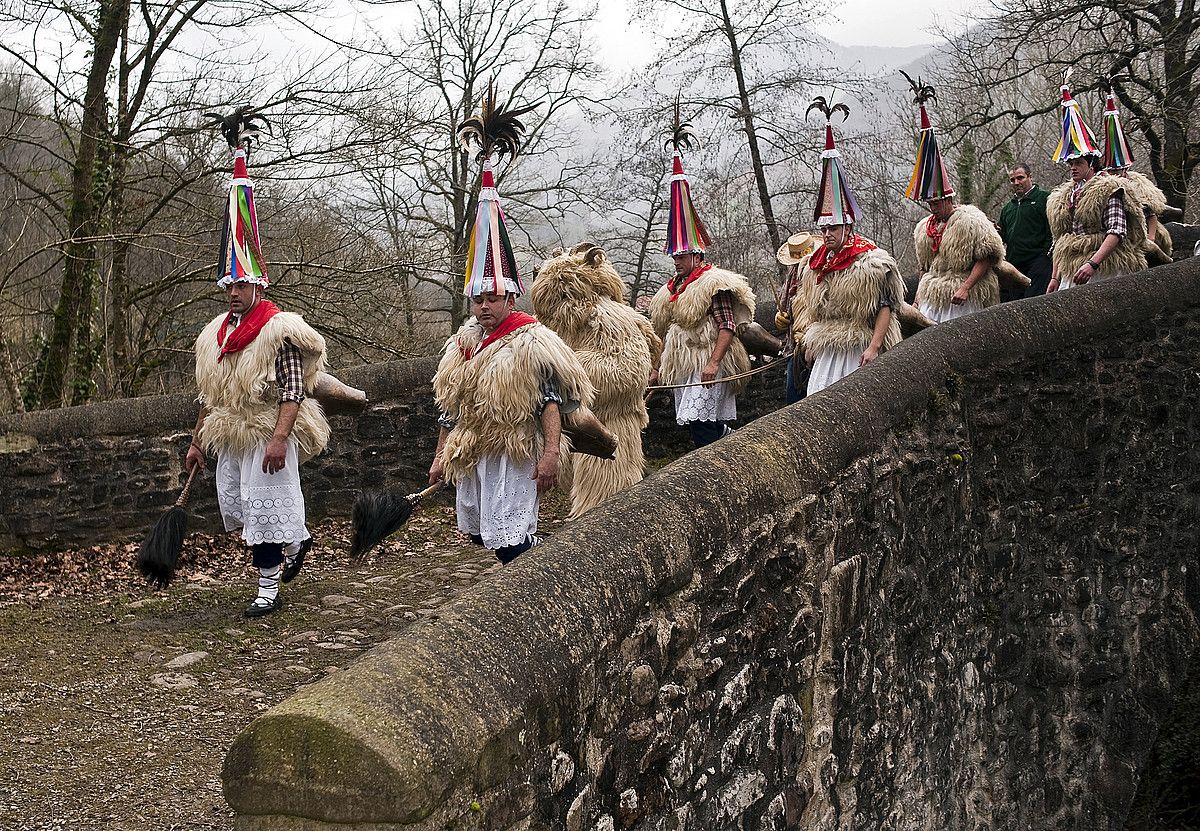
[(1072, 250), (840, 311), (239, 393), (1151, 197), (584, 304), (495, 397), (1145, 191), (689, 332), (969, 236), (581, 297)]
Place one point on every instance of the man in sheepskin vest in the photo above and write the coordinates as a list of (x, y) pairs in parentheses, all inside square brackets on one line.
[(850, 289), (1098, 227), (1118, 161), (696, 314), (504, 380), (581, 297), (256, 367), (957, 247), (502, 385), (958, 250)]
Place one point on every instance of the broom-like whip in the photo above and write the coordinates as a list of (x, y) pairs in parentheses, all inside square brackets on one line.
[(379, 514), (160, 549)]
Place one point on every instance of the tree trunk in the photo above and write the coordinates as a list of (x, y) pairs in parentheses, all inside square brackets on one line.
[(1178, 97), (747, 114), (82, 213), (117, 341)]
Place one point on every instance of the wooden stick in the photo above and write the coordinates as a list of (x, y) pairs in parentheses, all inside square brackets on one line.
[(183, 496), (746, 374)]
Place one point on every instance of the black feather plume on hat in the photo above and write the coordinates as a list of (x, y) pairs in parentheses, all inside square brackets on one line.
[(496, 129)]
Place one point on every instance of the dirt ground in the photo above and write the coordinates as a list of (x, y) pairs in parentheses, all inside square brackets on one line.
[(117, 704)]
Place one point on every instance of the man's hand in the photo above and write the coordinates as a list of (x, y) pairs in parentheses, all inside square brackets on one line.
[(868, 355), (783, 321), (959, 297), (195, 458), (1052, 286), (437, 470), (653, 379), (275, 455), (709, 373), (1084, 274), (546, 473)]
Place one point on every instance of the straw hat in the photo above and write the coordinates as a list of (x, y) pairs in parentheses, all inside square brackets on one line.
[(797, 247)]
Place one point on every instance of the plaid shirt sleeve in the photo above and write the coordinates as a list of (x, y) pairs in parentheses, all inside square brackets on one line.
[(289, 373), (722, 310), (1114, 217)]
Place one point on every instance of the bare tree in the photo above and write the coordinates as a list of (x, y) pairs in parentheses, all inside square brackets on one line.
[(1022, 48), (423, 184), (746, 58), (139, 235)]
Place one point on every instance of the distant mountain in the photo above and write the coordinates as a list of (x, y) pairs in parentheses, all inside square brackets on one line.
[(873, 61)]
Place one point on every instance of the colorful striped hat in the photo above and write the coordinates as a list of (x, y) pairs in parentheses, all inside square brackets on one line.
[(930, 178), (1076, 140), (491, 267), (241, 259), (489, 252), (836, 204), (686, 233), (1117, 155)]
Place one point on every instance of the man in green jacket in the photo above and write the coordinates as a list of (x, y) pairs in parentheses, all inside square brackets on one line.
[(1026, 232)]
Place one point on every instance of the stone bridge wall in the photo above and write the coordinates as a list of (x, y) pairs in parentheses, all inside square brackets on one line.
[(957, 590)]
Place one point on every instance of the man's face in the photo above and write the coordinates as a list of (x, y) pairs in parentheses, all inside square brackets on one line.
[(1019, 180), (242, 297), (1081, 169), (685, 263), (835, 236), (491, 309), (941, 208)]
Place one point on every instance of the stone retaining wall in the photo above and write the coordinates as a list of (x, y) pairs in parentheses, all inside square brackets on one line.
[(957, 590), (102, 472)]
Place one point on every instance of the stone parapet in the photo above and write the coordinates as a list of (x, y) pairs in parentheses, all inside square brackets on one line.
[(956, 590)]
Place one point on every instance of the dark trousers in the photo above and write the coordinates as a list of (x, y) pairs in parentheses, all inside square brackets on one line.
[(706, 432), (509, 552), (1037, 269), (266, 554), (797, 382)]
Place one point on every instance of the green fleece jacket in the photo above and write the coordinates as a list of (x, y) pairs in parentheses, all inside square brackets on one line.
[(1024, 227)]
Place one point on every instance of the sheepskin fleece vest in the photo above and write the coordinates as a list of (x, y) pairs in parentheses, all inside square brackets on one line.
[(840, 311), (239, 392), (969, 236), (615, 344), (1071, 250), (1150, 196), (689, 332), (494, 398)]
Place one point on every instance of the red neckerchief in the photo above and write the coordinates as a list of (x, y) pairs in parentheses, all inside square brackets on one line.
[(511, 323), (687, 281), (247, 329), (822, 263), (934, 230)]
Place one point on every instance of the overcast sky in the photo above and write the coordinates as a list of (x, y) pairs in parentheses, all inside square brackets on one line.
[(851, 23), (892, 23)]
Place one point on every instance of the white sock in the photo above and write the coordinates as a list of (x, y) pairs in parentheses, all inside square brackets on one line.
[(290, 551), (268, 582)]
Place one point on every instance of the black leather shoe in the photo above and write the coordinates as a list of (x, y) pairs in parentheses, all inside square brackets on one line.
[(292, 567), (261, 607)]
